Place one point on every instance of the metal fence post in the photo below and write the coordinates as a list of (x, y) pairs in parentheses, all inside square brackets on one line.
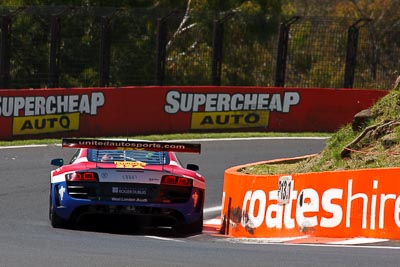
[(216, 61), (283, 41), (5, 51), (54, 61), (351, 54), (5, 47), (161, 51), (217, 44), (105, 52)]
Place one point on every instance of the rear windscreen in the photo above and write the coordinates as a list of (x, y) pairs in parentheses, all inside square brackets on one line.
[(149, 157)]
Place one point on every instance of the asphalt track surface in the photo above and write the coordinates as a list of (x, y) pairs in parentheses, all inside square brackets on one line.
[(27, 239)]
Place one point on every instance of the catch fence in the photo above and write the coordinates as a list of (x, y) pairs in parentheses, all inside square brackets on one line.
[(89, 47)]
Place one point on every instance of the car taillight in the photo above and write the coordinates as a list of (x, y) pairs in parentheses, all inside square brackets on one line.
[(82, 176), (176, 180)]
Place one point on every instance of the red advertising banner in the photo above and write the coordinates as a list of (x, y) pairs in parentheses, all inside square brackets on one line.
[(125, 111)]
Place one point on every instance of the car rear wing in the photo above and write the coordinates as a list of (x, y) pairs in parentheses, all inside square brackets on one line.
[(130, 145)]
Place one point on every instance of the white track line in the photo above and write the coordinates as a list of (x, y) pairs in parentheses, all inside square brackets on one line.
[(212, 209), (163, 238), (25, 146), (358, 240)]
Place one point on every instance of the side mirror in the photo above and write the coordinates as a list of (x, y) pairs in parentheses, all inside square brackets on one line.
[(57, 162), (192, 167)]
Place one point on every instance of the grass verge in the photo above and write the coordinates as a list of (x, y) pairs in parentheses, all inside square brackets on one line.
[(377, 146)]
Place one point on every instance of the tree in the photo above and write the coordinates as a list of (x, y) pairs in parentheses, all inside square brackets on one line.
[(377, 43), (248, 26), (381, 35)]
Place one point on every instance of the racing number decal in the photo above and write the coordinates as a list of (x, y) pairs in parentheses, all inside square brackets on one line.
[(130, 164)]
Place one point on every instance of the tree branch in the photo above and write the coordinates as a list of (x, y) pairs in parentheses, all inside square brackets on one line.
[(181, 25)]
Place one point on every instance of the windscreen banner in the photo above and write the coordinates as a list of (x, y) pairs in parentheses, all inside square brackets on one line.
[(126, 111)]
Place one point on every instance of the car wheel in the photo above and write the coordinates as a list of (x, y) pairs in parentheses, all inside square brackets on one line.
[(191, 228), (55, 220)]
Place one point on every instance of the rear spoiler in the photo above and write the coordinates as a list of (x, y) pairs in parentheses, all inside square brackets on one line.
[(130, 145)]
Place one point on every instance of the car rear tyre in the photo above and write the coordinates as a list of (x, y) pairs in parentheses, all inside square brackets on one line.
[(191, 228), (55, 220)]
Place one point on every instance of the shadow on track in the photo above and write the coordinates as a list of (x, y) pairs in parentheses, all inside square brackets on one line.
[(127, 225)]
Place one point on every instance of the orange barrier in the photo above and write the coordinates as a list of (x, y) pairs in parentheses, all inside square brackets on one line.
[(354, 203)]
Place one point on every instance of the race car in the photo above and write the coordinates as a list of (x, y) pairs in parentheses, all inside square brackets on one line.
[(131, 178)]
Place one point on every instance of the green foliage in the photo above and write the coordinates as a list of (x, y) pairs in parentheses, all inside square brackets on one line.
[(369, 152), (316, 55), (386, 108), (133, 43), (397, 132), (10, 3), (133, 48)]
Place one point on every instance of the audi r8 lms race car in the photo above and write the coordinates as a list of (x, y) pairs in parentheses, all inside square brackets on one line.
[(134, 179)]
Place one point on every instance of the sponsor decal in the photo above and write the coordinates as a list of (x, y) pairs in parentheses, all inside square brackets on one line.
[(131, 145), (130, 164), (224, 110), (61, 192), (47, 114), (129, 199), (308, 208), (130, 191)]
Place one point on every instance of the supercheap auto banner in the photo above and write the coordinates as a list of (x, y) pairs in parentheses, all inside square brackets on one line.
[(125, 111)]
